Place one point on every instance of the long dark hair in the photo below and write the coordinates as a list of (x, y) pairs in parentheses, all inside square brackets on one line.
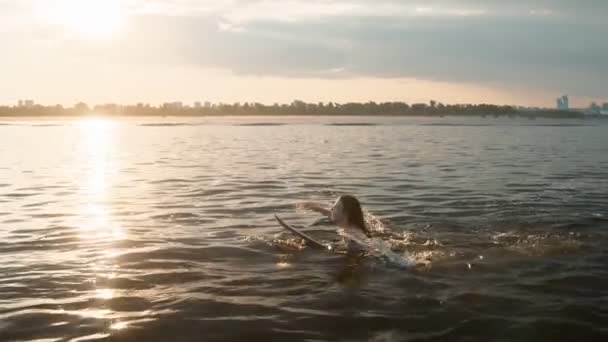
[(354, 213)]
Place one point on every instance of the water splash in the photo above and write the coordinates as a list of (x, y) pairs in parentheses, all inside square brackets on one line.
[(375, 224), (378, 248)]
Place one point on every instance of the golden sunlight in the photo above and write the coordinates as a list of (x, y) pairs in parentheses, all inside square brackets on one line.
[(98, 143), (98, 126), (90, 18)]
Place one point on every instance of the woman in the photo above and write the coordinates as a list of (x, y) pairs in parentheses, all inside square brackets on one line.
[(346, 214)]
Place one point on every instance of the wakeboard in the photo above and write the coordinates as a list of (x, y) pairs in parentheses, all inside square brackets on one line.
[(310, 241)]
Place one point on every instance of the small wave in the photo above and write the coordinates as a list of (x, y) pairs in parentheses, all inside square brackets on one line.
[(529, 243), (26, 124), (182, 254), (524, 185), (19, 195), (175, 216), (558, 125), (37, 204), (205, 193), (172, 180), (351, 124), (440, 124), (169, 278), (169, 124), (262, 124), (50, 215), (128, 304)]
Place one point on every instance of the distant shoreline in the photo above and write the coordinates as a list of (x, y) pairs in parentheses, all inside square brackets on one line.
[(297, 108), (524, 115)]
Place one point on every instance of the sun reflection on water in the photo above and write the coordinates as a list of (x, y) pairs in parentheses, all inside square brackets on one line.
[(104, 293), (98, 229), (98, 139)]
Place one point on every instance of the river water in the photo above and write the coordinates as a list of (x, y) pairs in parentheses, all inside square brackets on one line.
[(162, 229)]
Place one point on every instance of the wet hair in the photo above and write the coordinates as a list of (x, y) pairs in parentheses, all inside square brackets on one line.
[(354, 213)]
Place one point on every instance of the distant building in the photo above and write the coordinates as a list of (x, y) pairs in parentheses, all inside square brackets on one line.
[(207, 104), (26, 103), (197, 105), (173, 105), (563, 103), (595, 108), (82, 108), (605, 107)]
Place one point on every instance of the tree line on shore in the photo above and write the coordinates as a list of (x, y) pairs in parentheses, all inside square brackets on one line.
[(295, 108)]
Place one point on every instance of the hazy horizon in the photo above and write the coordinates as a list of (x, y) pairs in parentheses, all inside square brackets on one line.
[(464, 51), (22, 103)]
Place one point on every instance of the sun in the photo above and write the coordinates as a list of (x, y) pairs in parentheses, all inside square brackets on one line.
[(90, 18)]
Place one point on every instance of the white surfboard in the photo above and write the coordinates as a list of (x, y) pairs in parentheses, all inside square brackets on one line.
[(310, 241)]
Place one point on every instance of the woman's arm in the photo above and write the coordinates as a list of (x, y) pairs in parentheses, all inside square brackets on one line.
[(315, 207)]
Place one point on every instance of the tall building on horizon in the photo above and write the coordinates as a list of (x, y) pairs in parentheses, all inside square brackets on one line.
[(563, 103), (26, 103), (173, 105)]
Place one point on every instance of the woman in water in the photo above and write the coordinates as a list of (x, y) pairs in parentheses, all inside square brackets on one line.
[(346, 214)]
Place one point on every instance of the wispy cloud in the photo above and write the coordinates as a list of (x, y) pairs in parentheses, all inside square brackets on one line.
[(547, 44)]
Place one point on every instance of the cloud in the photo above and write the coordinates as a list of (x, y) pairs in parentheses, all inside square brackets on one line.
[(532, 51), (557, 45), (292, 10)]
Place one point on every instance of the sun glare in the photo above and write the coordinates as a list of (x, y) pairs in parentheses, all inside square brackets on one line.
[(90, 18)]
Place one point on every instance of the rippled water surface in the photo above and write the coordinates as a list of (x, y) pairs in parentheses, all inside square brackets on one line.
[(163, 230)]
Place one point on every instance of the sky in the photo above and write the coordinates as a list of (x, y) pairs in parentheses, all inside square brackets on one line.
[(462, 51)]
